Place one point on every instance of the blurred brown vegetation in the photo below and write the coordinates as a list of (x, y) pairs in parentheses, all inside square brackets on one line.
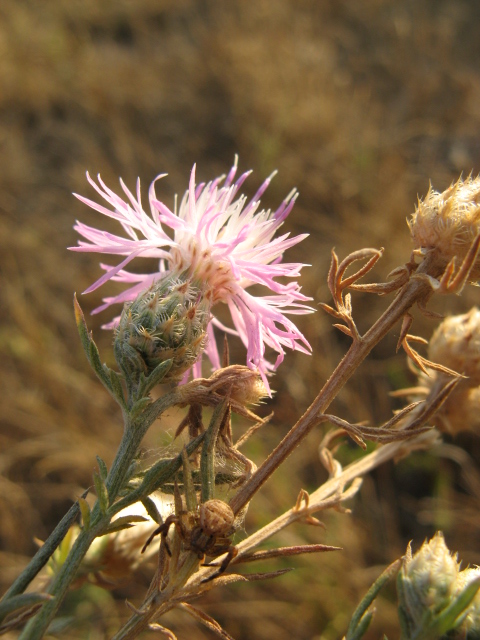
[(358, 105)]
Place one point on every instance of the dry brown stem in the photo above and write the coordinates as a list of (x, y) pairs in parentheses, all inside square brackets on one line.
[(417, 289)]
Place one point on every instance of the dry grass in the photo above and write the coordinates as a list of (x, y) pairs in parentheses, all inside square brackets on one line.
[(358, 104)]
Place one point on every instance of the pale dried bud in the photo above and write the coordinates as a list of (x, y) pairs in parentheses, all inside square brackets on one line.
[(449, 222), (427, 581), (241, 384), (456, 344)]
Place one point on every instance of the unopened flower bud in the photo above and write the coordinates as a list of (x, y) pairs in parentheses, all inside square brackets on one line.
[(456, 344), (167, 321), (449, 222), (427, 583), (471, 624)]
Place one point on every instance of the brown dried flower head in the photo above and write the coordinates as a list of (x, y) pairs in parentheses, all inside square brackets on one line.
[(241, 384), (456, 344), (460, 411), (449, 222)]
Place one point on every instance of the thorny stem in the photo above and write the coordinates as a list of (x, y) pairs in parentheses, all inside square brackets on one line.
[(416, 289)]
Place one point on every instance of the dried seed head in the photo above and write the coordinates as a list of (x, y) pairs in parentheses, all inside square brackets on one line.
[(449, 222), (216, 518), (242, 384), (456, 345), (460, 411), (427, 581), (168, 321)]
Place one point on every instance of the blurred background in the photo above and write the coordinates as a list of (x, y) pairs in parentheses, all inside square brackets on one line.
[(357, 104)]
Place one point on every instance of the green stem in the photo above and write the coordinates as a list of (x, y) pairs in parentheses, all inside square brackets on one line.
[(43, 555), (40, 623), (132, 437)]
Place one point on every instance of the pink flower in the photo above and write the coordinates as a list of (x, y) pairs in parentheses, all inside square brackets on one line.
[(221, 239)]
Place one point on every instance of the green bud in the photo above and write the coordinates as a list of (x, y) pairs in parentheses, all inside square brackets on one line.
[(471, 624), (166, 322), (427, 590)]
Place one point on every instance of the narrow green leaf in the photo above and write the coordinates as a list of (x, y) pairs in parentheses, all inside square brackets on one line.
[(361, 627), (188, 486), (161, 472), (125, 522), (101, 490), (155, 377), (89, 345), (138, 407), (14, 603), (98, 367), (451, 617), (84, 333), (102, 468), (117, 389), (151, 509), (360, 613), (86, 513), (207, 459)]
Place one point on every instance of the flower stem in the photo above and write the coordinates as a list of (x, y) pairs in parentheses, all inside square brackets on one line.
[(43, 555), (132, 437), (40, 623), (416, 289)]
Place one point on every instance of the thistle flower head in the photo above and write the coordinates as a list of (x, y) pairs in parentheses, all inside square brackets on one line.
[(215, 237), (449, 222)]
